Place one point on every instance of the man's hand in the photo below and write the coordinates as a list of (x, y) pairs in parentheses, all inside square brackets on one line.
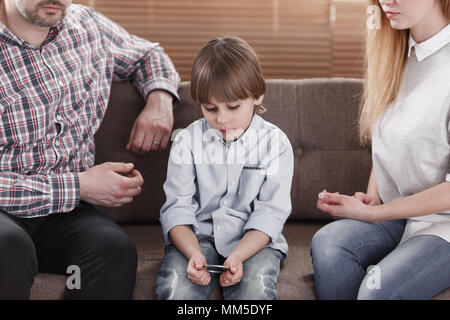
[(153, 126), (104, 185)]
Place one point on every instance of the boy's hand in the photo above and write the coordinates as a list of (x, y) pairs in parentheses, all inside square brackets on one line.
[(234, 274), (196, 271)]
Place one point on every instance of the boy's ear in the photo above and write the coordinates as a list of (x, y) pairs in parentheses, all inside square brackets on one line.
[(259, 100)]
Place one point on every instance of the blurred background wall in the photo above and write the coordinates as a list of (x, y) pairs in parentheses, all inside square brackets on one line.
[(294, 39)]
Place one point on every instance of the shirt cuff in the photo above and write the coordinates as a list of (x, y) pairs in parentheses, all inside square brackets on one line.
[(267, 223), (64, 192), (172, 219), (159, 84)]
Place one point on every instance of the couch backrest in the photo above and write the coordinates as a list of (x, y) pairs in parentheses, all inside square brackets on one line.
[(318, 115)]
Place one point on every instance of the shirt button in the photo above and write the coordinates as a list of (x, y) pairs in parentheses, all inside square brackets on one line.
[(231, 183), (60, 83), (218, 228), (58, 117), (225, 202)]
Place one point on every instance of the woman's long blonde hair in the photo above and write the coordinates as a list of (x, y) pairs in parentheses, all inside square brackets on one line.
[(386, 53)]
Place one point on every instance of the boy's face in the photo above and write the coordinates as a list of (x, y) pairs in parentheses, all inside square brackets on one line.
[(231, 119)]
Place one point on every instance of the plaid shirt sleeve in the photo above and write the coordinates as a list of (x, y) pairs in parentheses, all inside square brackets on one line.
[(53, 99), (38, 195), (139, 60)]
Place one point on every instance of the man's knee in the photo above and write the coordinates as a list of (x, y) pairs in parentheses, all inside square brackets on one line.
[(112, 244), (108, 257), (117, 248), (18, 263), (16, 247), (108, 265)]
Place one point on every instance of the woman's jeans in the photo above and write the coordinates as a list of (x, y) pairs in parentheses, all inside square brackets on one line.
[(361, 260), (260, 275)]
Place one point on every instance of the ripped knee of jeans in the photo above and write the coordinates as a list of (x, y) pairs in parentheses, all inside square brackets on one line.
[(173, 284), (166, 285)]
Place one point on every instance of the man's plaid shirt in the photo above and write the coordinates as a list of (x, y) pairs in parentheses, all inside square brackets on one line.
[(53, 99)]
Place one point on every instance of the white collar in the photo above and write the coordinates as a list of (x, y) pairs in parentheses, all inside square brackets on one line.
[(244, 138), (430, 46)]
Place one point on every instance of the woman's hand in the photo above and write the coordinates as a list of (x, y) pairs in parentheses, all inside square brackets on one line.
[(342, 206), (366, 199)]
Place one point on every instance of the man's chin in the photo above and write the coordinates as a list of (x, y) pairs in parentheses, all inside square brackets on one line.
[(47, 20)]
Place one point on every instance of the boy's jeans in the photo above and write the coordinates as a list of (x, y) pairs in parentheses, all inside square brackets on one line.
[(257, 283)]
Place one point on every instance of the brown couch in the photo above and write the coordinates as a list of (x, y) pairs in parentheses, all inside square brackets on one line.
[(318, 115)]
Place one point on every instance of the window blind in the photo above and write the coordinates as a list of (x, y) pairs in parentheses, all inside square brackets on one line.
[(348, 33), (293, 38)]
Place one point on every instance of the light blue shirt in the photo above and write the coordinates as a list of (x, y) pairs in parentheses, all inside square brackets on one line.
[(225, 189)]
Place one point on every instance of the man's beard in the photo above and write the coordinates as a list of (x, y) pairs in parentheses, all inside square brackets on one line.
[(43, 20)]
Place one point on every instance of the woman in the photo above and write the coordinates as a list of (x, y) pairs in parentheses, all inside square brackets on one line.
[(402, 223)]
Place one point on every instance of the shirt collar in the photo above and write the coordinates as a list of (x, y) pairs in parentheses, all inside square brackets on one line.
[(425, 49), (8, 36), (247, 135), (244, 138)]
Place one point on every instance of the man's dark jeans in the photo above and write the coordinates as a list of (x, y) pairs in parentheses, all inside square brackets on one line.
[(83, 238)]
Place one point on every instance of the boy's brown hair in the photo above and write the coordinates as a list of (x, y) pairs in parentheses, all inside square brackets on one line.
[(228, 69)]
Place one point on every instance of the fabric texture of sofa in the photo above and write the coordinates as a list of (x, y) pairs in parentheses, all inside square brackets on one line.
[(318, 115)]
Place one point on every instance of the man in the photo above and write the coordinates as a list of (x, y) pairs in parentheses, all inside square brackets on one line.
[(57, 62)]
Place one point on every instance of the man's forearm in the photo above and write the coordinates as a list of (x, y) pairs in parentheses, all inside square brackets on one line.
[(37, 195)]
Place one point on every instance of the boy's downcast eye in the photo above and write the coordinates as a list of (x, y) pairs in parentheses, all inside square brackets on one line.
[(214, 109), (210, 109)]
